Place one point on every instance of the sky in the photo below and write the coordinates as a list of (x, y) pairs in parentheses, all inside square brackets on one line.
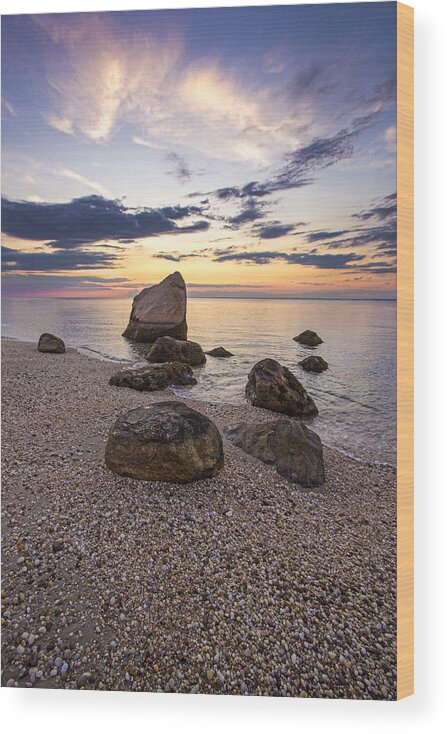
[(252, 149)]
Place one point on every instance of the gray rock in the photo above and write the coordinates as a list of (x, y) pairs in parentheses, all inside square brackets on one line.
[(314, 364), (165, 442), (274, 387), (159, 310), (295, 451), (50, 343), (220, 352), (309, 338), (167, 349), (148, 378)]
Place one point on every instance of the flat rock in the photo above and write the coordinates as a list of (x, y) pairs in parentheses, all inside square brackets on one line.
[(295, 451), (219, 352), (148, 378), (159, 310), (165, 442), (274, 387), (51, 343), (314, 364), (167, 349), (309, 338)]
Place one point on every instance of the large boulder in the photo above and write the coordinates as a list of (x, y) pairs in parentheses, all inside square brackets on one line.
[(152, 377), (272, 386), (220, 352), (159, 310), (51, 343), (294, 450), (167, 349), (309, 338), (314, 364), (164, 442)]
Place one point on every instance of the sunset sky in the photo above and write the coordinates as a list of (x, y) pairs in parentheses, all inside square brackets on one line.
[(253, 149)]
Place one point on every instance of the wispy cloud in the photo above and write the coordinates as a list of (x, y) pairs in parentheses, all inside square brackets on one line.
[(145, 81), (88, 183), (9, 107), (181, 170)]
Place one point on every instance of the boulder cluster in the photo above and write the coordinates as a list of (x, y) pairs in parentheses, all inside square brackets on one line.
[(171, 442)]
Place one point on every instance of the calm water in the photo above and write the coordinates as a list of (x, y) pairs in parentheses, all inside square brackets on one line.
[(356, 396)]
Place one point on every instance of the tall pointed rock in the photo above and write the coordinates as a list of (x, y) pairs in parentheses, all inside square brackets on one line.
[(159, 310)]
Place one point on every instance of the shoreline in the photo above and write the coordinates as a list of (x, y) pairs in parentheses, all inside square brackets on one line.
[(242, 583), (91, 353)]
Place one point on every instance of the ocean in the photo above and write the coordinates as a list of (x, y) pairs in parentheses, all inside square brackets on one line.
[(356, 396)]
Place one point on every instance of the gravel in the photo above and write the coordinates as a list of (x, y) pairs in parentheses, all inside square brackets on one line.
[(240, 584)]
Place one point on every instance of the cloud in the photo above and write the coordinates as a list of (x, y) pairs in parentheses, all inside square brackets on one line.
[(325, 261), (9, 107), (385, 210), (301, 164), (91, 219), (67, 173), (321, 236), (39, 284), (144, 79), (273, 230), (181, 171), (62, 124), (61, 260), (251, 210), (382, 233)]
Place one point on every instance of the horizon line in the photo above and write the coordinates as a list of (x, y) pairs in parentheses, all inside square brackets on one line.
[(240, 298)]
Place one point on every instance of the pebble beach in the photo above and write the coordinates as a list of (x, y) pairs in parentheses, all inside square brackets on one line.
[(239, 584)]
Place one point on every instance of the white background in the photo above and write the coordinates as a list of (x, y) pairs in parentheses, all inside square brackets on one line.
[(84, 711)]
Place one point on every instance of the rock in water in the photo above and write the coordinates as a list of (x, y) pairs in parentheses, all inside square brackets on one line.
[(308, 338), (314, 364), (220, 352), (294, 450), (154, 377), (51, 343), (272, 386), (167, 349), (159, 310), (165, 442)]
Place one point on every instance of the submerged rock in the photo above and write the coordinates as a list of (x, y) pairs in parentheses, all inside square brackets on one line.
[(159, 310), (220, 352), (314, 364), (308, 338), (149, 378), (167, 349), (295, 451), (165, 442), (272, 386), (51, 343)]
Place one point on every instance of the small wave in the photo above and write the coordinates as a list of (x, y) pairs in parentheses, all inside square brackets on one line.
[(103, 356)]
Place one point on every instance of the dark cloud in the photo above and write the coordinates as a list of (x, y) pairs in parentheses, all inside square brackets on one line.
[(251, 210), (301, 164), (36, 284), (310, 80), (60, 260), (273, 230), (324, 261), (91, 219), (322, 236), (181, 170), (385, 210)]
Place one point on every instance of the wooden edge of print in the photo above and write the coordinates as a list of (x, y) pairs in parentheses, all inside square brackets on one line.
[(405, 350)]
